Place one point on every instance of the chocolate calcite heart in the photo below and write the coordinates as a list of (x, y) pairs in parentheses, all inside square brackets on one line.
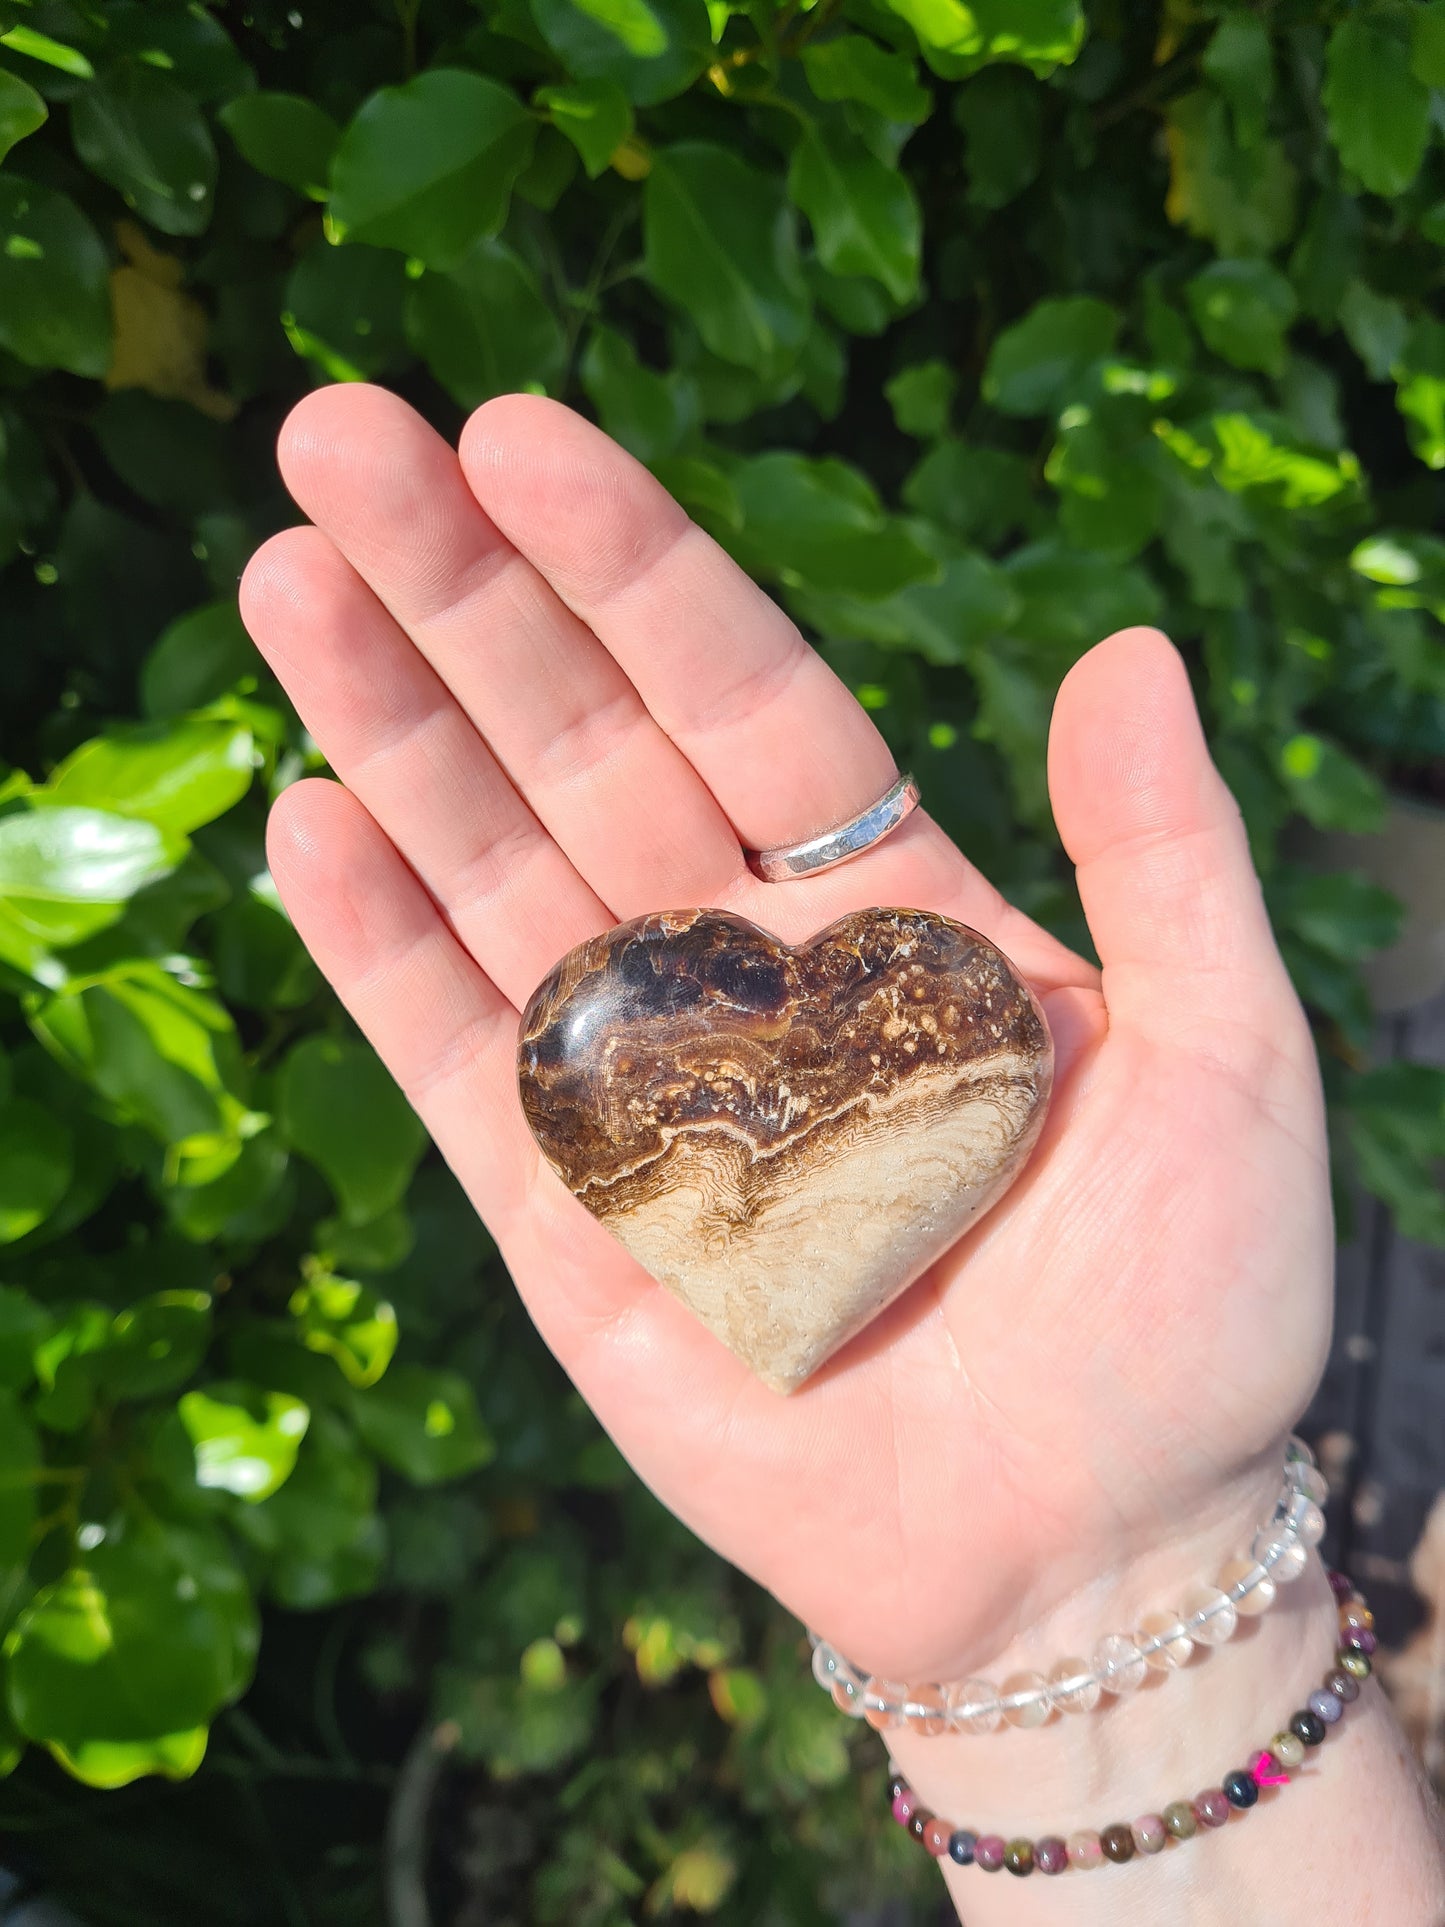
[(785, 1137)]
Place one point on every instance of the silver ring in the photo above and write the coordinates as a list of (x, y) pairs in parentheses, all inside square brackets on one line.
[(845, 840)]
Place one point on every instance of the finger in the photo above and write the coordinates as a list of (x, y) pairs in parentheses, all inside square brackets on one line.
[(390, 729), (1163, 863), (442, 1028), (557, 711), (778, 739)]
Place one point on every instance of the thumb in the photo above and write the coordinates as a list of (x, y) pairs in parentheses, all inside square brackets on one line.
[(1163, 864)]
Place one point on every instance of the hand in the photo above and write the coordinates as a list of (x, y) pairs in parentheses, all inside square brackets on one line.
[(554, 704)]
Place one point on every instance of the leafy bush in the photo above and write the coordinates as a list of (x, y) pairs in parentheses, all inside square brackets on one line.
[(975, 332)]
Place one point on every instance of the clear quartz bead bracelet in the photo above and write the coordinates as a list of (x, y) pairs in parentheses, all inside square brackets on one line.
[(1206, 1615)]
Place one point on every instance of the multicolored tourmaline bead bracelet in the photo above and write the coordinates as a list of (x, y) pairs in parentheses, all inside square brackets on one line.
[(1179, 1821), (1206, 1615)]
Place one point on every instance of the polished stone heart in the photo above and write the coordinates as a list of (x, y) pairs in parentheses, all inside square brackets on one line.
[(785, 1136)]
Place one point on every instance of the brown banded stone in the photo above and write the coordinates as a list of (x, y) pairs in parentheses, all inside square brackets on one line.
[(785, 1136)]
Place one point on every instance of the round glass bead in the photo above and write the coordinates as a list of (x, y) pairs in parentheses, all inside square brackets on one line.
[(936, 1836), (960, 1846), (1180, 1819), (1289, 1750), (1355, 1614), (973, 1705), (1169, 1646), (1284, 1558), (883, 1704), (1118, 1665), (1341, 1585), (1117, 1842), (1353, 1663), (1018, 1857), (1085, 1849), (1050, 1854), (896, 1786), (988, 1851), (1209, 1614), (1359, 1639), (1024, 1698), (1308, 1727), (1326, 1706), (932, 1716), (903, 1807), (1073, 1688), (825, 1666), (1310, 1480), (919, 1824), (1240, 1788), (1150, 1833), (1212, 1807), (1249, 1586), (847, 1695), (1340, 1683), (1308, 1521)]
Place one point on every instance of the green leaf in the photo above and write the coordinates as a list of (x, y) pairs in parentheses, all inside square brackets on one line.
[(1241, 197), (922, 398), (864, 215), (202, 656), (320, 1530), (109, 1764), (67, 872), (852, 67), (116, 1662), (36, 1166), (1376, 327), (21, 111), (245, 1439), (595, 115), (19, 1463), (424, 1424), (163, 1054), (1397, 1127), (50, 53), (651, 50), (983, 493), (428, 167), (959, 38), (1420, 390), (156, 1343), (1253, 455), (1069, 599), (345, 308), (1113, 494), (1239, 61), (820, 523), (1243, 309), (1035, 367), (185, 42), (285, 136), (1427, 42), (339, 1108), (348, 1322), (177, 775), (23, 1324), (1379, 112), (703, 490), (720, 245), (649, 413), (1346, 916), (141, 132), (484, 329), (1328, 787), (54, 297), (945, 622), (1001, 117)]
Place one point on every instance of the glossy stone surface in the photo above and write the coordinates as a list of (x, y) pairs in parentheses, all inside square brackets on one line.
[(785, 1136), (1051, 1855)]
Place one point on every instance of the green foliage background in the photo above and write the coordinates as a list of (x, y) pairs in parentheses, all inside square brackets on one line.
[(974, 332)]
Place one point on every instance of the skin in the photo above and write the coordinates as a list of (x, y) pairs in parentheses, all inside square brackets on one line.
[(553, 703)]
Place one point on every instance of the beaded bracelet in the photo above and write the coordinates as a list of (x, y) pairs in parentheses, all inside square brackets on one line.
[(1181, 1819), (1207, 1615)]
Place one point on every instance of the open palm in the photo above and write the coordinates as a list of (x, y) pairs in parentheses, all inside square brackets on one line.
[(554, 704)]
